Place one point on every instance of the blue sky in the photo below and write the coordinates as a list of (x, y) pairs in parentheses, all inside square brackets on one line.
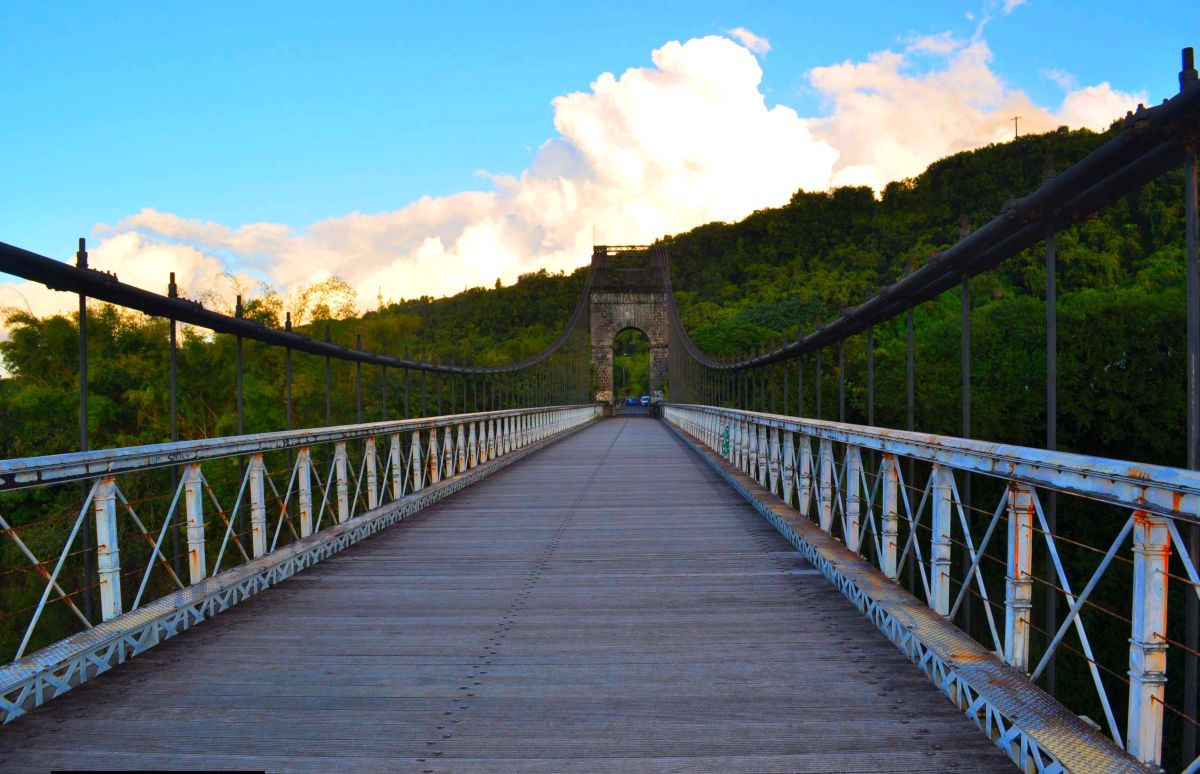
[(292, 113)]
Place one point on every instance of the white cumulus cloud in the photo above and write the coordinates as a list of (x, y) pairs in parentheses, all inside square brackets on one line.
[(653, 150), (755, 43), (889, 120)]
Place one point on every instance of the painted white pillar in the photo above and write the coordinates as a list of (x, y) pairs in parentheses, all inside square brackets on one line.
[(108, 554)]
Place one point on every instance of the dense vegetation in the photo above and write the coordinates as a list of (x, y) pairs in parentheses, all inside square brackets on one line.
[(740, 287)]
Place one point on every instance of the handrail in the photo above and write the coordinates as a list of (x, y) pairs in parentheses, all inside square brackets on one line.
[(102, 286), (25, 472), (1150, 145), (913, 521), (1158, 489)]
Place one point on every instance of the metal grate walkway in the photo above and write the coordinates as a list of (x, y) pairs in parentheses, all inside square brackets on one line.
[(608, 604)]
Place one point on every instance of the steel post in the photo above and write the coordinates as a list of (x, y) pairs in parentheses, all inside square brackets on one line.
[(965, 492), (258, 506), (825, 492), (1050, 505), (81, 261), (372, 474), (304, 490), (460, 449), (287, 372), (910, 579), (806, 475), (433, 460), (383, 382), (395, 466), (417, 461), (842, 380), (773, 458), (789, 466), (800, 386), (871, 376), (193, 500), (1188, 79), (851, 488), (358, 406), (1147, 641), (328, 381), (173, 397), (786, 387), (108, 554), (939, 553), (817, 356), (342, 481), (1018, 596), (239, 378), (890, 514)]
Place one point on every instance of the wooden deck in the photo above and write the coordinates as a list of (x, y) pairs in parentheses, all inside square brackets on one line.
[(607, 605)]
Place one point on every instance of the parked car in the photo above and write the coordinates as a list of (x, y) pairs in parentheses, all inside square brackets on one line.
[(645, 400), (631, 401)]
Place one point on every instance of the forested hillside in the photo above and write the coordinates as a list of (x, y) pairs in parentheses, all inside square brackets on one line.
[(740, 287)]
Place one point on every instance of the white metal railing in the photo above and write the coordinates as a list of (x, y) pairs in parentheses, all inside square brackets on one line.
[(821, 469), (287, 487)]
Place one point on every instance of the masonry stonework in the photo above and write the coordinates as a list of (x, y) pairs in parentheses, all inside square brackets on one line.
[(613, 311)]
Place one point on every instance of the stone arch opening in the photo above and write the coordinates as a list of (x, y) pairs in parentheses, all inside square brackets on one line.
[(631, 365)]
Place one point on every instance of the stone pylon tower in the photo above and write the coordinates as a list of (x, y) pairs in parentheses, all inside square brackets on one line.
[(627, 292)]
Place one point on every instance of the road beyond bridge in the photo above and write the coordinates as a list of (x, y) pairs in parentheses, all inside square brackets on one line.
[(609, 604)]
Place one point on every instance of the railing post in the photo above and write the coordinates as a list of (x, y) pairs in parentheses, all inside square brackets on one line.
[(108, 553), (751, 449), (764, 455), (473, 447), (258, 505), (343, 483), (852, 489), (890, 514), (1018, 597), (747, 447), (806, 475), (1147, 643), (789, 465), (825, 485), (372, 474), (460, 451), (447, 453), (417, 461), (491, 440), (939, 554), (434, 458), (773, 459), (304, 490), (752, 443), (193, 501), (395, 465)]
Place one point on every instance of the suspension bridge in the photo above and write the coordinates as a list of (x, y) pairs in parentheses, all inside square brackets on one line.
[(530, 583)]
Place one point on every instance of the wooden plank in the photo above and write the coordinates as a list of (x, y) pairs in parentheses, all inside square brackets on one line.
[(607, 605)]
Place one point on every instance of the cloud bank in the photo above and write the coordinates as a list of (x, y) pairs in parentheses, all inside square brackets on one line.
[(654, 150)]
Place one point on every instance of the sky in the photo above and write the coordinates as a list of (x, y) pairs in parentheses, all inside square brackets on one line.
[(419, 149)]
